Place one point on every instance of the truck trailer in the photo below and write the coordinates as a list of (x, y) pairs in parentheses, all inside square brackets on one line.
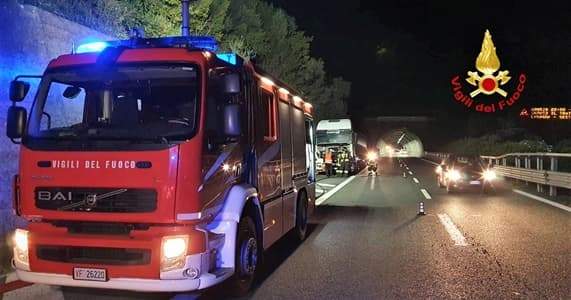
[(157, 165)]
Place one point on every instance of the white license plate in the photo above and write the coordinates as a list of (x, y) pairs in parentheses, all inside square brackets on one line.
[(89, 274), (475, 182)]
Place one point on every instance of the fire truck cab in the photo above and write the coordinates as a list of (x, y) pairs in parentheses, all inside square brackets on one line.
[(157, 165)]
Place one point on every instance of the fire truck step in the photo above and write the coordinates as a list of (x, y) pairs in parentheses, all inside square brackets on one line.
[(221, 272)]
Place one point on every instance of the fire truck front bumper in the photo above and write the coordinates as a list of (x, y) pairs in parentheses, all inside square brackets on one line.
[(131, 284)]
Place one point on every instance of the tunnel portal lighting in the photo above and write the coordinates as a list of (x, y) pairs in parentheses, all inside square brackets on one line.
[(401, 137)]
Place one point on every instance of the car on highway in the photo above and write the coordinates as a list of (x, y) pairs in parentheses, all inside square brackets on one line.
[(465, 172)]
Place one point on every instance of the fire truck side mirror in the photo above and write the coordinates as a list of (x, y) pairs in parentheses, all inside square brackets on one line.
[(231, 83), (232, 121), (71, 92), (16, 122), (18, 90)]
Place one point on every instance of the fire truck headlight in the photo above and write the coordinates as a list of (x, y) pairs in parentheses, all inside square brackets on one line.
[(21, 248), (173, 252), (489, 175)]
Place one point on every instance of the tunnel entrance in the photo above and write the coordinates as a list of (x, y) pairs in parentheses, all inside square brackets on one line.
[(400, 142)]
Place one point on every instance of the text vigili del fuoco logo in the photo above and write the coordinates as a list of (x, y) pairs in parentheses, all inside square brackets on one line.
[(488, 81)]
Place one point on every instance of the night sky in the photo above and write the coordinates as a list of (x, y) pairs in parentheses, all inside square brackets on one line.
[(401, 55)]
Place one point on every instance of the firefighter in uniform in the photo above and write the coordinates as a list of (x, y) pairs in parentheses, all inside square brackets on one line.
[(328, 160), (343, 161)]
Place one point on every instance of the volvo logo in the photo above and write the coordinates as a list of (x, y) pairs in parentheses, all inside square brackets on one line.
[(91, 200)]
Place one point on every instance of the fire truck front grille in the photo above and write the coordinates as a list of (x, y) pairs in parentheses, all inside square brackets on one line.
[(96, 199), (74, 227), (91, 255)]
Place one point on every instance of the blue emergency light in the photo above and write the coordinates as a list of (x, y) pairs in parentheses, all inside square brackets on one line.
[(196, 42), (91, 47), (228, 57)]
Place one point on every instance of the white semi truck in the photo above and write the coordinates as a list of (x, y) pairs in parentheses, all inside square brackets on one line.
[(339, 135)]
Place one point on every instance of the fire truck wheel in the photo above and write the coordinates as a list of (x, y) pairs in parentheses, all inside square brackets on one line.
[(301, 217), (247, 257)]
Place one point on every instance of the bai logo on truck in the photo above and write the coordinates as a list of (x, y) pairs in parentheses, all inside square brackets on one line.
[(489, 80)]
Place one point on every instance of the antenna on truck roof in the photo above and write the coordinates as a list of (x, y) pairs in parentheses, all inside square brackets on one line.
[(185, 29)]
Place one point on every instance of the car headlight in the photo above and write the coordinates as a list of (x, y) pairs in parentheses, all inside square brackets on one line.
[(439, 170), (173, 252), (372, 155), (489, 175), (21, 256), (454, 175)]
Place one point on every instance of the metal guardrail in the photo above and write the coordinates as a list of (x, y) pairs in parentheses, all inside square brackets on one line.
[(558, 179), (551, 177), (538, 154)]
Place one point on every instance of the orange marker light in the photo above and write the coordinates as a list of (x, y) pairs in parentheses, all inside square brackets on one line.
[(267, 81)]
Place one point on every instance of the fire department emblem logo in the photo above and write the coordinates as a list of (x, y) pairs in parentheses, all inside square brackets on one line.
[(488, 63), (488, 80)]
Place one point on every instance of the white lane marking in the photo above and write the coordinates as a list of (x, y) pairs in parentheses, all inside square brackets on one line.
[(319, 190), (428, 161), (426, 194), (373, 183), (453, 231), (330, 193), (546, 201), (415, 180), (410, 172), (326, 184)]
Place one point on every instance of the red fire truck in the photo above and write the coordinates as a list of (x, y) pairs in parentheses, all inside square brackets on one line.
[(157, 165)]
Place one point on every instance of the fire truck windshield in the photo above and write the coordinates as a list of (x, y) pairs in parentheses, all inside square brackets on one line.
[(340, 136), (137, 103)]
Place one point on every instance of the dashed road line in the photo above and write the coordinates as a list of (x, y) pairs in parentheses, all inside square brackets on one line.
[(426, 194), (415, 180), (319, 190), (330, 193), (373, 184), (410, 172), (326, 184), (455, 234)]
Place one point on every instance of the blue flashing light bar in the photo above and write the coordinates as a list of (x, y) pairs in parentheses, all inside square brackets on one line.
[(207, 43), (92, 47), (228, 57)]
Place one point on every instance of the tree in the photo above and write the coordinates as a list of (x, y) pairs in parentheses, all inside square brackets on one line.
[(256, 29)]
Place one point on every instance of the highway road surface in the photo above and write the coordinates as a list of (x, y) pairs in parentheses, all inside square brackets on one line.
[(367, 242)]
